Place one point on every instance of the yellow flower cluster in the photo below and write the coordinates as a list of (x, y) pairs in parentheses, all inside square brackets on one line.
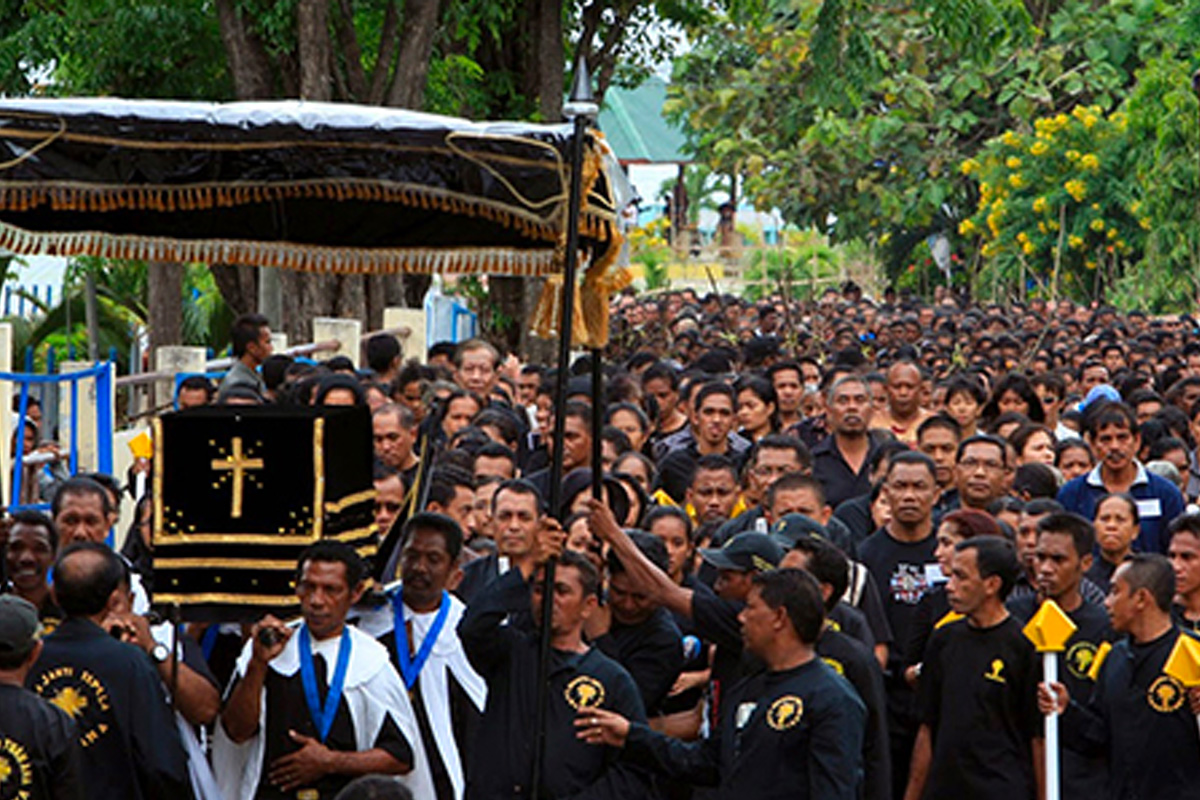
[(1076, 188), (1040, 205), (1075, 242), (1016, 181), (1012, 162), (1011, 139), (1039, 148), (1096, 225), (967, 227), (969, 166), (1029, 248), (1089, 161)]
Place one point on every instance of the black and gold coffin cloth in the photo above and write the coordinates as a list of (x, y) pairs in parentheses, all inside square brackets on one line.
[(239, 492)]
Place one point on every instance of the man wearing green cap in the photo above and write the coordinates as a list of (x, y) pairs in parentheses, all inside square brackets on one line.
[(39, 748)]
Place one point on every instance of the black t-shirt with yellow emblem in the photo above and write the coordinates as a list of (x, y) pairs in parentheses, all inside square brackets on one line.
[(1082, 775), (1139, 718), (851, 659), (978, 695), (39, 749), (794, 734), (131, 747), (507, 656)]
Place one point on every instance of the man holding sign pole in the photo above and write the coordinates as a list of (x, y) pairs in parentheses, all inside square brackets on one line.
[(1139, 716)]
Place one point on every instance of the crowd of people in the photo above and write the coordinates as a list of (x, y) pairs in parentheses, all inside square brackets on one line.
[(821, 530)]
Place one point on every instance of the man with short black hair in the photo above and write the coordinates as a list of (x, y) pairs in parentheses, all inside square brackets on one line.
[(639, 634), (448, 695), (899, 557), (40, 753), (29, 552), (711, 433), (1112, 431), (1063, 554), (195, 391), (794, 730), (1139, 718), (580, 678), (280, 735), (517, 514), (1183, 548), (712, 493), (495, 459), (251, 337), (110, 689), (980, 471), (980, 727), (384, 357)]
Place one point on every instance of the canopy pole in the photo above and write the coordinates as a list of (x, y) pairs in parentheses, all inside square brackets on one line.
[(597, 426), (580, 108)]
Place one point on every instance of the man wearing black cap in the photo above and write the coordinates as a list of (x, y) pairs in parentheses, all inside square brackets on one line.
[(792, 731), (39, 746), (713, 611)]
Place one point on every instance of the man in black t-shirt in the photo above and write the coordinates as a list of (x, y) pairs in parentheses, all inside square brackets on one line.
[(1061, 557), (39, 745), (977, 693), (792, 731), (1138, 717), (899, 557)]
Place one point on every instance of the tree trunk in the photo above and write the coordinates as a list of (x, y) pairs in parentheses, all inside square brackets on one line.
[(548, 44), (248, 61), (165, 290), (315, 49), (238, 285), (412, 68)]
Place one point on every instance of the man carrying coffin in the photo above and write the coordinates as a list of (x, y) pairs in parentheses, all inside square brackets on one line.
[(315, 706), (448, 694)]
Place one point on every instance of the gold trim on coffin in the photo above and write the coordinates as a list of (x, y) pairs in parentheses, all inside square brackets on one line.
[(200, 562), (349, 500), (166, 598), (161, 536)]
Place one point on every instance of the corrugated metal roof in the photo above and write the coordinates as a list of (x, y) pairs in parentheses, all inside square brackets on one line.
[(633, 124)]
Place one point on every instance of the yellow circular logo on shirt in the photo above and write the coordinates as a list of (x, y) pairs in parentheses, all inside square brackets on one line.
[(584, 692), (82, 696), (16, 771), (785, 712), (1080, 657), (1165, 695)]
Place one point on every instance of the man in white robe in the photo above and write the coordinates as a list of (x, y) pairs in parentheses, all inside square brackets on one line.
[(313, 706), (448, 694)]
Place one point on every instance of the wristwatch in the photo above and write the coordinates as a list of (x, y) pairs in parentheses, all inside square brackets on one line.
[(160, 653)]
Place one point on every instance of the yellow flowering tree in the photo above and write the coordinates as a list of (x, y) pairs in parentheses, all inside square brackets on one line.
[(1057, 203)]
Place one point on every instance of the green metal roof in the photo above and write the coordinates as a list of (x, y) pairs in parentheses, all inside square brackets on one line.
[(632, 121)]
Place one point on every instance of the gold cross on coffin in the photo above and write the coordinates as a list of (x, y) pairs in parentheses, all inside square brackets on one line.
[(238, 464)]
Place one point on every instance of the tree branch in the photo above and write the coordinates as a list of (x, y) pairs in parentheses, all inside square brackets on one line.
[(387, 52), (412, 68), (343, 23)]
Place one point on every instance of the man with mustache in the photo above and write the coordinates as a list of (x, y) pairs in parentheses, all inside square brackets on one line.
[(1112, 431), (841, 460)]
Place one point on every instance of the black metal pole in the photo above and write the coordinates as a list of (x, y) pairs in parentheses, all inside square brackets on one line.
[(583, 105), (597, 426)]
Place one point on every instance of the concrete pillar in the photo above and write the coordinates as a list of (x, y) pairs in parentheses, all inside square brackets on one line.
[(346, 331), (6, 419), (85, 414), (279, 342), (413, 345), (173, 360)]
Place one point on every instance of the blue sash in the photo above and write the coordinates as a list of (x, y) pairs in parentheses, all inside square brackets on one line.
[(410, 667), (323, 717)]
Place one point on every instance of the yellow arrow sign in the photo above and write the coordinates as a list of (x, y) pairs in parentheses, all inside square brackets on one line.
[(1098, 660), (1050, 628), (1184, 662)]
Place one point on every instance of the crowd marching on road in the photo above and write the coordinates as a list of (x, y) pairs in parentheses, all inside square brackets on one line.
[(825, 533)]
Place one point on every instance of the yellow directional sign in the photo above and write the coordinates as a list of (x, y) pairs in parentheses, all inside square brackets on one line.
[(1184, 662), (1098, 660), (1050, 628)]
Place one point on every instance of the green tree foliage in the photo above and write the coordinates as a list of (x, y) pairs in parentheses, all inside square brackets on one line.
[(855, 118)]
